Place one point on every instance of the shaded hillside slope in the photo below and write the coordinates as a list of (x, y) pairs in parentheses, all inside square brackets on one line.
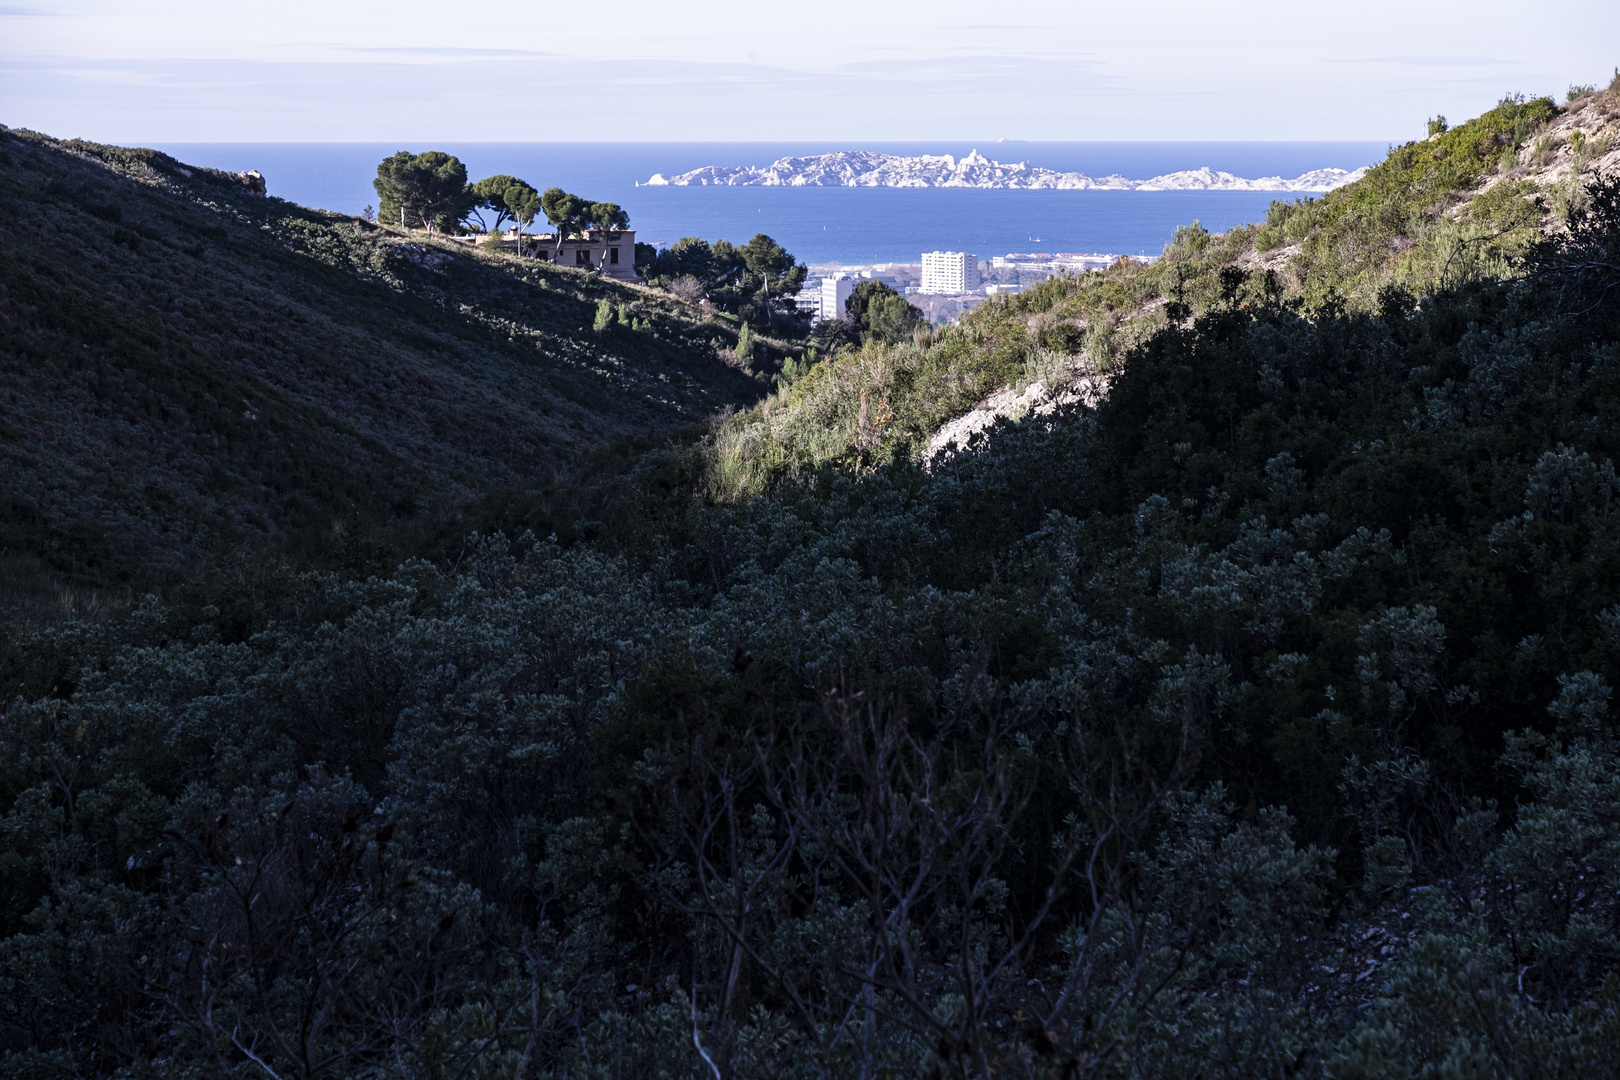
[(185, 364)]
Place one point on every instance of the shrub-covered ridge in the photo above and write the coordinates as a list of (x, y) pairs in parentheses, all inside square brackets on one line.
[(187, 367), (1463, 205)]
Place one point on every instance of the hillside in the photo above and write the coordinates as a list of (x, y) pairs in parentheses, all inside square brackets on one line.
[(188, 367), (1462, 206)]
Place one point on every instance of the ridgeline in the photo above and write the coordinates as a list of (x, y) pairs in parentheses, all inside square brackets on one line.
[(193, 371)]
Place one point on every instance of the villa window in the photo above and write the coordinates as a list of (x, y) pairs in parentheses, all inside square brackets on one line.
[(613, 256), (582, 257)]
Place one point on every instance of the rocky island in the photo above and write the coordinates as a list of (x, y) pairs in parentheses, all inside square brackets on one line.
[(859, 168)]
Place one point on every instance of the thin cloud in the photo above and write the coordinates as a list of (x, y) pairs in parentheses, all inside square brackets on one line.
[(448, 52), (9, 11), (1429, 61), (1000, 63)]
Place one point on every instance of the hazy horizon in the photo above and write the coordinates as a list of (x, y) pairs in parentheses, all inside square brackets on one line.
[(142, 71), (819, 224)]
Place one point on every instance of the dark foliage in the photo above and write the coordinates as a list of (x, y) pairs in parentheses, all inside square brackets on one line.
[(756, 281), (427, 190), (881, 313), (1582, 262)]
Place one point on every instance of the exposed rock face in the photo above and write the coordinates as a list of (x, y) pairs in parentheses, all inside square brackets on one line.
[(253, 180), (425, 256), (1581, 142), (1037, 399), (866, 169)]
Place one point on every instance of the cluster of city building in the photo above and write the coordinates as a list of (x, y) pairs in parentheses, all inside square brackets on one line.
[(944, 283)]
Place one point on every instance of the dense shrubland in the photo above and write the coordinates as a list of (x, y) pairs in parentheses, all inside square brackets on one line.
[(755, 282), (1400, 225), (1256, 722)]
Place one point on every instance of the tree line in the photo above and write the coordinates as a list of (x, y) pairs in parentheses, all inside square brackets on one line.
[(755, 281), (431, 191)]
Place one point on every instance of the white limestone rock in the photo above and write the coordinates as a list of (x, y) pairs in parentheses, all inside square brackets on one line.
[(861, 168)]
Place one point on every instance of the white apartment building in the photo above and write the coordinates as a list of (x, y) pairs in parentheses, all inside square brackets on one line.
[(949, 273), (835, 292), (882, 276), (825, 299)]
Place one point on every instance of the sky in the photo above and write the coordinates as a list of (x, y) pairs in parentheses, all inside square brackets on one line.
[(134, 71)]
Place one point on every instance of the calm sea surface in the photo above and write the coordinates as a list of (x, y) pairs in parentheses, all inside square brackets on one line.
[(850, 225)]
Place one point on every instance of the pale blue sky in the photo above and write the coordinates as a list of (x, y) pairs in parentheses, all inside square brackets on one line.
[(301, 70)]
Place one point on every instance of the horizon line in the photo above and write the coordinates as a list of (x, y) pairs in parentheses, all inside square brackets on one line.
[(752, 142)]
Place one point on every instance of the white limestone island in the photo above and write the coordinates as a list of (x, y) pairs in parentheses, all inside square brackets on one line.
[(859, 168)]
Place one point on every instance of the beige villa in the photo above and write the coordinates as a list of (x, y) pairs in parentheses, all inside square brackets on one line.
[(616, 257)]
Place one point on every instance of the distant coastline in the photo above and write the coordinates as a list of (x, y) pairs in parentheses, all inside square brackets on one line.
[(847, 168), (853, 226)]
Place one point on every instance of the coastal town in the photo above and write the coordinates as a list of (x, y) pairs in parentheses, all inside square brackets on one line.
[(944, 284)]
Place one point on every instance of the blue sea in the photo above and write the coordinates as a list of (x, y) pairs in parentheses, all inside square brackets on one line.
[(825, 225)]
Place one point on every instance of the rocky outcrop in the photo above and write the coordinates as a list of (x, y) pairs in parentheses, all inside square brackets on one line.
[(867, 169), (1038, 399), (1582, 142), (423, 255)]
